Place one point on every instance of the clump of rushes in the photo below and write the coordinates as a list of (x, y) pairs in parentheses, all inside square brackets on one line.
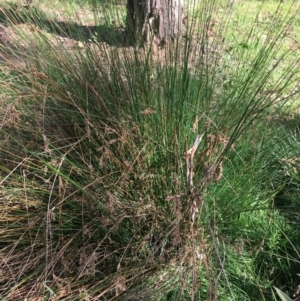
[(134, 174)]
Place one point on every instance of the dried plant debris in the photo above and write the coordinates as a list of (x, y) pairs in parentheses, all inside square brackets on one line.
[(212, 166), (211, 157), (189, 156)]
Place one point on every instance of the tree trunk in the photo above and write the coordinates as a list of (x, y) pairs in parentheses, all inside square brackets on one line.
[(155, 21)]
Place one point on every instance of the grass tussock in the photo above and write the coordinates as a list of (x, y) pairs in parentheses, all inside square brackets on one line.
[(139, 173)]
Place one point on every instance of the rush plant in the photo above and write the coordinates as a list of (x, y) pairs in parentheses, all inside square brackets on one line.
[(145, 173)]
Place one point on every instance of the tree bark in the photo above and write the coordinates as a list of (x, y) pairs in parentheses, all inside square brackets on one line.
[(155, 21)]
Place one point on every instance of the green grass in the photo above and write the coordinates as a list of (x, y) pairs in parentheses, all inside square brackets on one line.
[(95, 201)]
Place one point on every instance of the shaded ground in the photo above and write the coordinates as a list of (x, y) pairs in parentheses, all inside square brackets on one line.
[(83, 33)]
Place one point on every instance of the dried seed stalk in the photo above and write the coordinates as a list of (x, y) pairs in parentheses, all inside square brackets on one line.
[(189, 155)]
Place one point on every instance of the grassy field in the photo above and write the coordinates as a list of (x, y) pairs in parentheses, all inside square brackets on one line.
[(133, 174)]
